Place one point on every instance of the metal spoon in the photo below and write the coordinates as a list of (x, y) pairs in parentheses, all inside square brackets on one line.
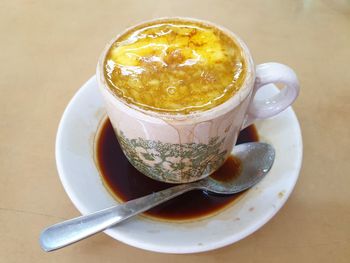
[(256, 158)]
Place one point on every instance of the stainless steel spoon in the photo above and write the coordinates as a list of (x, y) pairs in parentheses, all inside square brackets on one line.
[(256, 158)]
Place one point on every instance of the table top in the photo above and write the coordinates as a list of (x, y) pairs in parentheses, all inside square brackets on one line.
[(50, 48)]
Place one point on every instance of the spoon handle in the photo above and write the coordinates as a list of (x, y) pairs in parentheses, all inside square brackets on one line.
[(73, 230)]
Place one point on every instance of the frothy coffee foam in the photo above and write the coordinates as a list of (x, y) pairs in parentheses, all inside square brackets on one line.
[(175, 66)]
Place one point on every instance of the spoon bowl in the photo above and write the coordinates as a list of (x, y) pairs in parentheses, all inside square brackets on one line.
[(256, 161)]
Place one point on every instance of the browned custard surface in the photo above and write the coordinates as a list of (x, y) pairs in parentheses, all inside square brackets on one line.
[(175, 67), (126, 183)]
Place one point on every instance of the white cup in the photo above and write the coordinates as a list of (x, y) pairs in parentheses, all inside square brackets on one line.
[(183, 148)]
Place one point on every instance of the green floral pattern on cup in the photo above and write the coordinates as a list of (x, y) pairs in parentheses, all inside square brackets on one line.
[(173, 162)]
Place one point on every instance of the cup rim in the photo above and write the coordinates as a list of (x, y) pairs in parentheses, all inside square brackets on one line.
[(218, 110)]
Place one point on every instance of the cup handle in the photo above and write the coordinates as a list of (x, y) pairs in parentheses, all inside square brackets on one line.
[(269, 73)]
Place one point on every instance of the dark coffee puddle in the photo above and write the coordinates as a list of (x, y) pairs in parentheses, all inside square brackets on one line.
[(126, 183)]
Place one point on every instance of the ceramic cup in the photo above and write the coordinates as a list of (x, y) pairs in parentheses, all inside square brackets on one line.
[(183, 148)]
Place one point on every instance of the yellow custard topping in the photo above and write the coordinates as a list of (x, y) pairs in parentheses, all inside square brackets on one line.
[(175, 67)]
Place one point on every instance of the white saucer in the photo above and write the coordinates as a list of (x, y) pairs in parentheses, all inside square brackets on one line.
[(81, 180)]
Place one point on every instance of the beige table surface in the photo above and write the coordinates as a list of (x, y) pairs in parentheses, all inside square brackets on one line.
[(48, 49)]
